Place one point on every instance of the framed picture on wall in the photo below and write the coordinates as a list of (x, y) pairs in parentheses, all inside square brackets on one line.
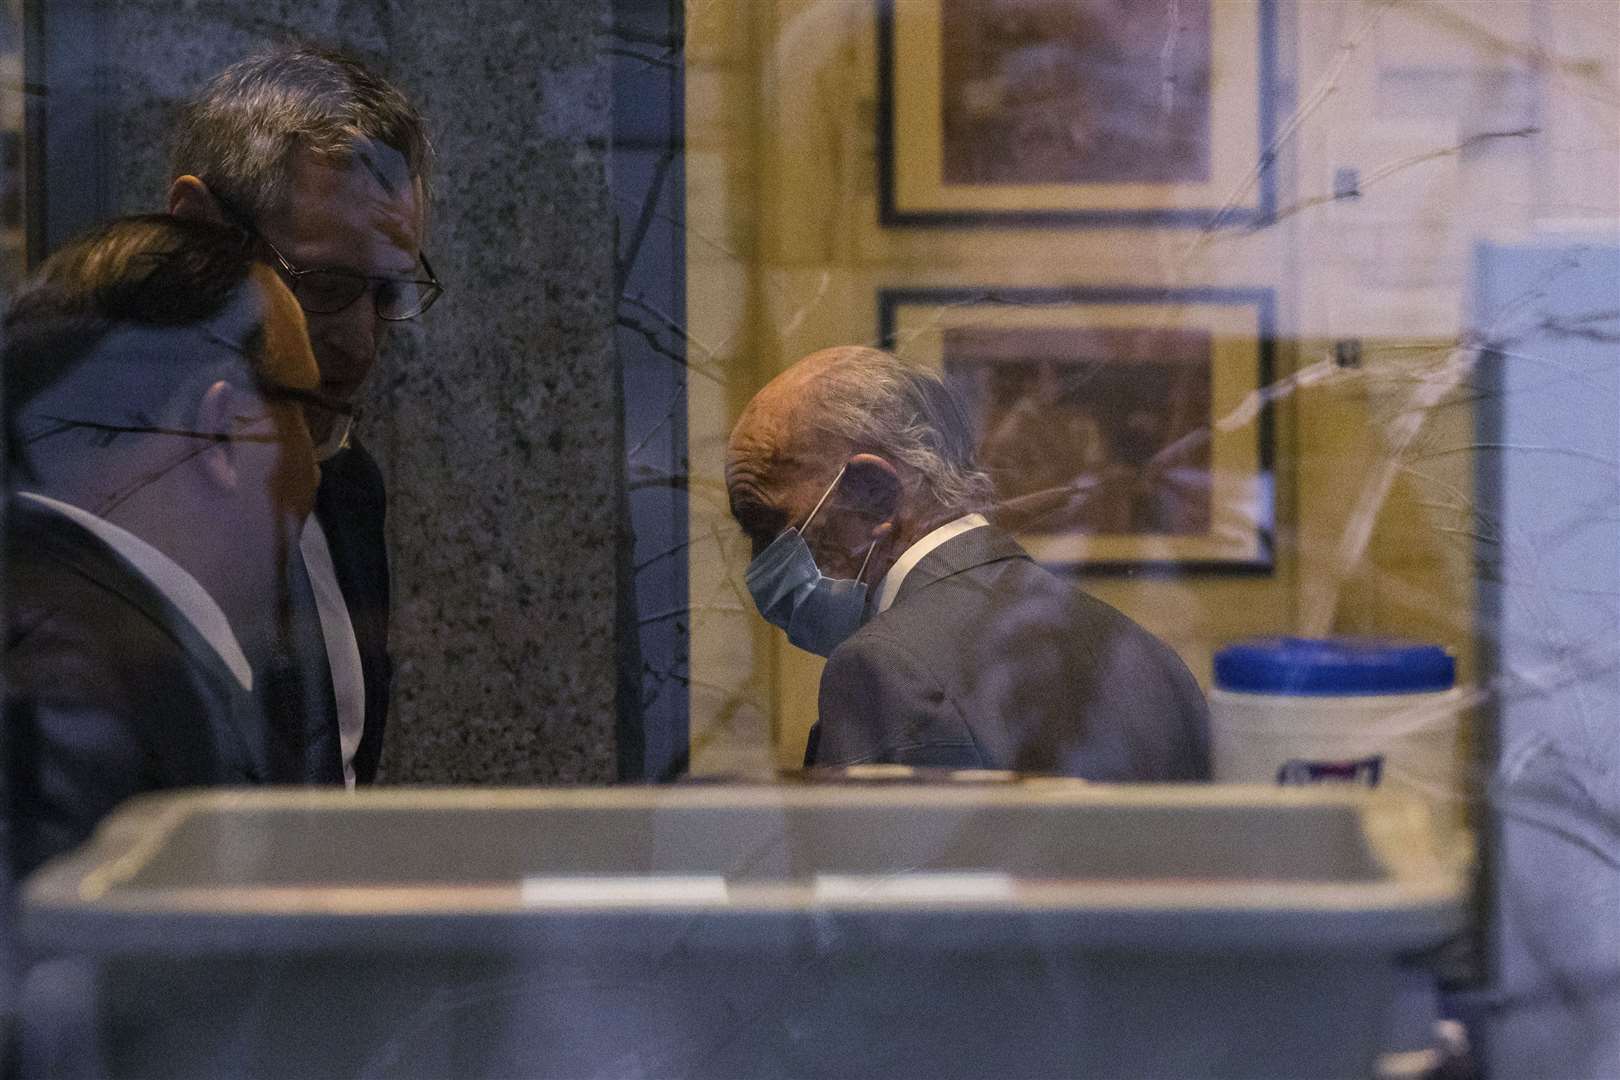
[(1125, 429), (1031, 112)]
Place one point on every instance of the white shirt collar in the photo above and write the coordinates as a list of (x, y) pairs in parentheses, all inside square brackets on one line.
[(167, 577), (890, 588), (342, 650)]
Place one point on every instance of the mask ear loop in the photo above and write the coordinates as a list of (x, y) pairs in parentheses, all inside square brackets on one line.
[(869, 549), (823, 498)]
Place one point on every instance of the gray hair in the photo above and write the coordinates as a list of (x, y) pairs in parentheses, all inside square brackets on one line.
[(876, 402), (239, 133)]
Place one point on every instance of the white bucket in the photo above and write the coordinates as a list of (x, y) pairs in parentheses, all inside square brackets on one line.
[(1302, 732)]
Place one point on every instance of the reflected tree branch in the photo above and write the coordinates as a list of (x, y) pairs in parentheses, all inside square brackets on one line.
[(656, 61), (635, 35), (1384, 172), (1325, 88), (650, 335)]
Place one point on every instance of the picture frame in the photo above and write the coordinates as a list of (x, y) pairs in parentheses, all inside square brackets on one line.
[(1127, 430), (1047, 112)]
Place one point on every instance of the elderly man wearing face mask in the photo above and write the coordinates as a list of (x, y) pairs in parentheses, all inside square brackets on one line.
[(853, 476)]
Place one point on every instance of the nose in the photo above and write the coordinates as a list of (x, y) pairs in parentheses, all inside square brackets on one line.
[(366, 325), (346, 341)]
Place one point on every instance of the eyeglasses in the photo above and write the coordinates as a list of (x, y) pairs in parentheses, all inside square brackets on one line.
[(327, 290)]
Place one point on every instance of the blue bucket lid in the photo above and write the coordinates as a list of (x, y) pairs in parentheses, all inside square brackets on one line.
[(1342, 666)]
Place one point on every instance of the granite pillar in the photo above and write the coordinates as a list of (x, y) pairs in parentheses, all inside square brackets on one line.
[(496, 418)]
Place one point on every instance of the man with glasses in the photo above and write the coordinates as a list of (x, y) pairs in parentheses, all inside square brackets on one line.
[(326, 165), (156, 383)]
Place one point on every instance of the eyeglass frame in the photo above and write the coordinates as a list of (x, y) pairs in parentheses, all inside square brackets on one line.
[(293, 274)]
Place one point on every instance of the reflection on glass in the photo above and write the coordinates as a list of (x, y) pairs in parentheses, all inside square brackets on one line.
[(1059, 92), (13, 117), (1271, 319), (159, 473), (1094, 431)]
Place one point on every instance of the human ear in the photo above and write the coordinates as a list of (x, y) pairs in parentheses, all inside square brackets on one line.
[(871, 489), (190, 198), (214, 416)]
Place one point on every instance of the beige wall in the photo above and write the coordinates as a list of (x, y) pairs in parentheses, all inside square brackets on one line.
[(1466, 122)]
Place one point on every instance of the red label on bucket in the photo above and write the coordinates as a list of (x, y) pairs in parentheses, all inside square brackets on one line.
[(1366, 771)]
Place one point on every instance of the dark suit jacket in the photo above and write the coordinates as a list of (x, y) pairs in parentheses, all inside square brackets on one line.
[(110, 691), (986, 660), (350, 505)]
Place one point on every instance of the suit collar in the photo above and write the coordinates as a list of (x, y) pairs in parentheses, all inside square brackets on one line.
[(889, 588), (350, 485), (34, 530), (184, 594), (974, 548)]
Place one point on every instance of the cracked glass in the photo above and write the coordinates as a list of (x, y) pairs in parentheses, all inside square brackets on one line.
[(1251, 391)]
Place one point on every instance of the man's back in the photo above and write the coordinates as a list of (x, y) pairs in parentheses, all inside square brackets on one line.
[(986, 660)]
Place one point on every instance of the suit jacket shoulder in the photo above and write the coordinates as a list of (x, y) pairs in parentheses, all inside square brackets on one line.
[(1043, 677), (882, 701), (109, 690)]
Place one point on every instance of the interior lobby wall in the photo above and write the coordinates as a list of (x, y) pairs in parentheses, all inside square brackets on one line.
[(1401, 137)]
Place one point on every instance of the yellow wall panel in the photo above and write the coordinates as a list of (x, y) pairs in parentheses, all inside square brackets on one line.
[(787, 255)]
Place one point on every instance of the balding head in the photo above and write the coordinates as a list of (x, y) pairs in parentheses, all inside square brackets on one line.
[(853, 399), (899, 430), (775, 439)]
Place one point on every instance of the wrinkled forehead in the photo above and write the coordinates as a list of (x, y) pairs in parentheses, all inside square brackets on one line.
[(371, 174), (777, 453), (358, 207), (754, 450), (386, 167)]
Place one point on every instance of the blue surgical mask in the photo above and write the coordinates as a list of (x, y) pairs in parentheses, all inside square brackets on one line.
[(791, 592)]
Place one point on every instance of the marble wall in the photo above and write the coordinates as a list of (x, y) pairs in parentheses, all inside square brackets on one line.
[(496, 420)]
